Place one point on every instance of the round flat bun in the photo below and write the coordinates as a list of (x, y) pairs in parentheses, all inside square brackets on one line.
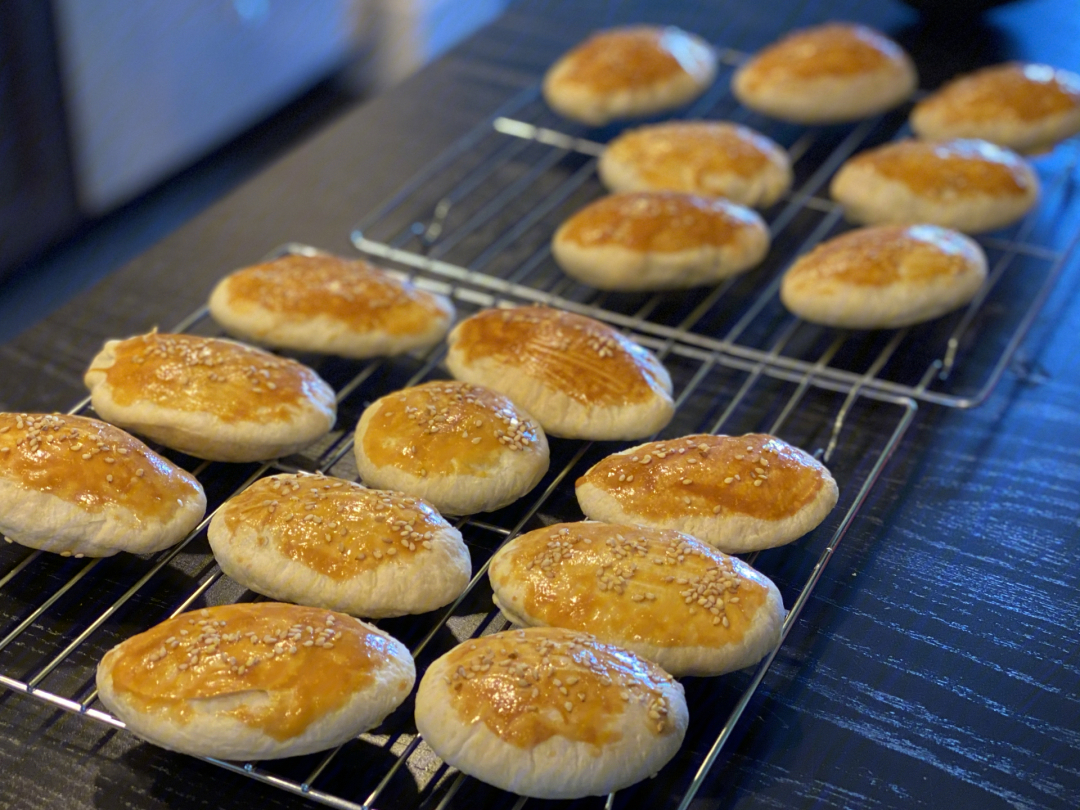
[(884, 277), (578, 377), (736, 493), (255, 681), (969, 185), (550, 713), (662, 594), (79, 487), (711, 158), (461, 447), (827, 74), (659, 240), (629, 72), (330, 543), (214, 399), (329, 305), (1019, 105)]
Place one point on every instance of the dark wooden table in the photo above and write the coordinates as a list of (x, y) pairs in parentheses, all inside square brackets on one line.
[(936, 664)]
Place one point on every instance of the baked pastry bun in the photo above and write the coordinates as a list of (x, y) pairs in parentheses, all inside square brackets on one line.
[(629, 72), (461, 447), (578, 377), (661, 593), (330, 543), (711, 158), (330, 305), (1023, 106), (826, 74), (884, 277), (969, 185), (211, 398), (737, 493), (659, 240), (550, 713), (80, 487), (255, 681)]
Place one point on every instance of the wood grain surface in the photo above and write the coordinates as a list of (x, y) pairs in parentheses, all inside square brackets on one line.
[(937, 663)]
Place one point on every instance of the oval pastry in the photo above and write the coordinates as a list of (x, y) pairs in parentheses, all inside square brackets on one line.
[(330, 543), (255, 681), (737, 493), (461, 447), (826, 74), (969, 185), (77, 486), (884, 277), (658, 240), (330, 305), (215, 399), (661, 593), (1026, 107), (578, 377), (550, 713), (711, 158), (628, 72)]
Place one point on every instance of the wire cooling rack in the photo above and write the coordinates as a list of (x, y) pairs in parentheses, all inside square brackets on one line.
[(475, 225), (489, 207), (59, 615)]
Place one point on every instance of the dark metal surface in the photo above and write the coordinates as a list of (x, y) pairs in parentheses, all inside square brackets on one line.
[(936, 662)]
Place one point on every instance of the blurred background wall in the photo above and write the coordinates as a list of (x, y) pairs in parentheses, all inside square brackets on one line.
[(101, 100)]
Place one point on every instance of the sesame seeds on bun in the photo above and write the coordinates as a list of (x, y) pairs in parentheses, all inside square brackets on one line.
[(215, 399)]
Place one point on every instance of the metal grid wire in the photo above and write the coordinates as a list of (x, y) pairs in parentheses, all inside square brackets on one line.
[(490, 205), (60, 614)]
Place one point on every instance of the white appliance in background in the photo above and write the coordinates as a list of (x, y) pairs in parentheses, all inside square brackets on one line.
[(410, 33), (150, 86)]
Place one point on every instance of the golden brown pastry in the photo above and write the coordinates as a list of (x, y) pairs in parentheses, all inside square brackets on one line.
[(330, 543), (550, 713), (826, 74), (578, 377), (969, 185), (77, 486), (255, 681), (628, 72), (737, 493), (884, 277), (658, 240), (215, 399), (711, 158), (461, 447), (1023, 106), (330, 305), (663, 594)]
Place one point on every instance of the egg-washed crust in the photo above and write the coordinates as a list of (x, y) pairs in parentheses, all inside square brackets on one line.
[(967, 184), (329, 305), (214, 399), (736, 493), (326, 542), (663, 594), (578, 377), (629, 72), (80, 487), (885, 277), (711, 158), (826, 74), (461, 447), (658, 240), (1024, 106), (255, 681), (550, 713)]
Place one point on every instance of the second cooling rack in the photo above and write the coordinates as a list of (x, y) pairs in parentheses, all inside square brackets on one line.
[(62, 614)]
